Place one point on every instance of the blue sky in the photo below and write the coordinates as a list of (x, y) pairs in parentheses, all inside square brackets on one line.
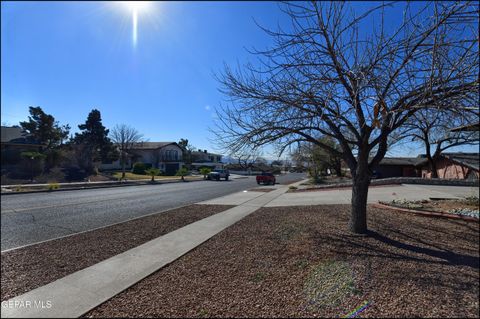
[(71, 57)]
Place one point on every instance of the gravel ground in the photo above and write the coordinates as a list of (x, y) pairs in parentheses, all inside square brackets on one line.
[(301, 262), (30, 267)]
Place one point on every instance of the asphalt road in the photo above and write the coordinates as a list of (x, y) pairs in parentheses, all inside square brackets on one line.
[(31, 218)]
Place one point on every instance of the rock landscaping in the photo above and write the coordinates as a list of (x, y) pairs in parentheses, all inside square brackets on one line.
[(302, 262), (463, 207), (33, 266)]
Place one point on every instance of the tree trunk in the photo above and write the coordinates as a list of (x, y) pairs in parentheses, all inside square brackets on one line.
[(338, 168), (358, 218), (123, 166), (433, 167)]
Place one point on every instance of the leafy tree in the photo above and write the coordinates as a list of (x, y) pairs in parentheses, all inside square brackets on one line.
[(205, 171), (152, 172), (125, 138), (94, 136), (44, 129), (326, 74), (182, 172)]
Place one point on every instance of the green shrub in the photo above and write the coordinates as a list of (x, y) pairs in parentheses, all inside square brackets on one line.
[(53, 186), (139, 168), (292, 187)]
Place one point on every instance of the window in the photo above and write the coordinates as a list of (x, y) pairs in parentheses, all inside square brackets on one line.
[(171, 155)]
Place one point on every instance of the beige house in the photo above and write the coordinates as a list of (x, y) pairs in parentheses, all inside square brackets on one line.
[(166, 156)]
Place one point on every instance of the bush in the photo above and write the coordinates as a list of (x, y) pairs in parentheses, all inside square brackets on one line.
[(140, 168), (53, 186), (32, 163)]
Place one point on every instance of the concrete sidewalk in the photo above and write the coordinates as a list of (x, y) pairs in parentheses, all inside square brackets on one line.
[(76, 294)]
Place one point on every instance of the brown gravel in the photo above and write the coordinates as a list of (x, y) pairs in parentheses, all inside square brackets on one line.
[(301, 262), (30, 267)]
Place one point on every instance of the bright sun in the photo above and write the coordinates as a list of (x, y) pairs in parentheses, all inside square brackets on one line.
[(136, 5)]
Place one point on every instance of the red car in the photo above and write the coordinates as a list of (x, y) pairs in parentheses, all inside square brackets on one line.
[(266, 178)]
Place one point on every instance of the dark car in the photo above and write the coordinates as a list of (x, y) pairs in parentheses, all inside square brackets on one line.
[(216, 174)]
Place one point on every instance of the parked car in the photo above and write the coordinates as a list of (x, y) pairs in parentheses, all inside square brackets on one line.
[(266, 178), (216, 174)]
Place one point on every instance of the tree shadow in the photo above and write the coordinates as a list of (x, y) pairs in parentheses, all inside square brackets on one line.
[(450, 257)]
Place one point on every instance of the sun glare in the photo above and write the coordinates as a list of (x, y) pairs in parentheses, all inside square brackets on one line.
[(135, 7)]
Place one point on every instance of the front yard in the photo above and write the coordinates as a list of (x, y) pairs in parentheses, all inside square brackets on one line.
[(302, 262)]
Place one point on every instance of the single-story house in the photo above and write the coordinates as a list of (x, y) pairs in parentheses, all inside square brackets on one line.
[(14, 141), (167, 156), (399, 167), (454, 165)]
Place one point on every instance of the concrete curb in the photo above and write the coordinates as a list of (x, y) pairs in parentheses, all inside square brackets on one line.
[(120, 184), (334, 187), (95, 229), (407, 180), (426, 212)]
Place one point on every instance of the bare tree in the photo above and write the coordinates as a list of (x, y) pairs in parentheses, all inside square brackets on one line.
[(246, 157), (326, 75), (432, 129), (125, 137)]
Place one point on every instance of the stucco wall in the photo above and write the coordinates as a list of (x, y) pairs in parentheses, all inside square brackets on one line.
[(448, 170)]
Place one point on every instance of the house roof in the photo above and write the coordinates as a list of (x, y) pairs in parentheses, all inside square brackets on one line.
[(208, 153), (471, 160), (152, 145), (15, 135), (405, 161)]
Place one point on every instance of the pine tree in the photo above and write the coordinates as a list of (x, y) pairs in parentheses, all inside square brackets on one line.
[(95, 141)]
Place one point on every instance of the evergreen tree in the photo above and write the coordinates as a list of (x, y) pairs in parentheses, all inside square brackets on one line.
[(94, 138), (44, 129)]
